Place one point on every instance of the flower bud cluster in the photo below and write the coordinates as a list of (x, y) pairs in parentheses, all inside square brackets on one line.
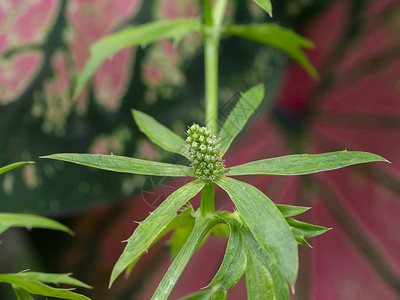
[(202, 149)]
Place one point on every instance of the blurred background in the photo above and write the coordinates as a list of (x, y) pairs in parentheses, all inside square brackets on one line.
[(356, 106)]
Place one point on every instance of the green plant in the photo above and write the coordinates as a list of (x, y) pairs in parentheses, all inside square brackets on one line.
[(25, 283), (263, 236)]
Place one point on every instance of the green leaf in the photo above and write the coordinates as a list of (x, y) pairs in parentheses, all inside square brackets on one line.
[(239, 116), (21, 293), (158, 133), (202, 295), (180, 235), (234, 262), (175, 270), (140, 35), (267, 224), (290, 210), (14, 165), (265, 5), (53, 278), (177, 221), (282, 38), (304, 231), (38, 288), (153, 225), (301, 164), (8, 220), (124, 164), (263, 280)]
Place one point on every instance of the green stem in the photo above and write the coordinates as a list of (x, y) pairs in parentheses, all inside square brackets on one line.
[(211, 45), (207, 206), (212, 28)]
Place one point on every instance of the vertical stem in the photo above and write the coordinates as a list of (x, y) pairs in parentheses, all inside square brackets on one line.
[(211, 33), (207, 206), (211, 43)]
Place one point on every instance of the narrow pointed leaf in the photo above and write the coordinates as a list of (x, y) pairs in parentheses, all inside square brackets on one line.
[(124, 164), (14, 165), (158, 133), (282, 38), (237, 119), (234, 262), (53, 278), (202, 295), (265, 5), (180, 235), (290, 210), (301, 164), (156, 222), (8, 220), (178, 265), (21, 293), (302, 230), (38, 288), (219, 294), (177, 221), (266, 223), (263, 280), (140, 35)]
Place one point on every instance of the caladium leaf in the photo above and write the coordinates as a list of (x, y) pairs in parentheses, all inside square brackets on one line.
[(263, 280), (158, 133), (14, 165), (265, 5), (234, 262), (8, 220), (237, 119), (21, 293), (201, 227), (124, 164), (282, 38), (301, 164), (140, 35), (302, 231), (38, 288), (266, 223), (153, 225), (290, 210)]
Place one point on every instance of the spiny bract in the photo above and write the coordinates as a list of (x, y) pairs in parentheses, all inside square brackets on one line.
[(202, 149)]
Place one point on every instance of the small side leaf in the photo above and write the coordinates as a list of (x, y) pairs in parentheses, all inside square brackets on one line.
[(234, 262), (156, 222), (8, 220), (175, 270), (290, 210), (237, 119), (265, 5), (21, 293), (158, 133), (263, 280), (304, 231), (38, 288), (180, 235), (124, 164), (202, 295), (282, 38), (301, 164), (266, 223), (14, 165), (140, 35)]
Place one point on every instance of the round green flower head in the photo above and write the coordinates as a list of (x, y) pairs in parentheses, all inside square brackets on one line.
[(202, 149)]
